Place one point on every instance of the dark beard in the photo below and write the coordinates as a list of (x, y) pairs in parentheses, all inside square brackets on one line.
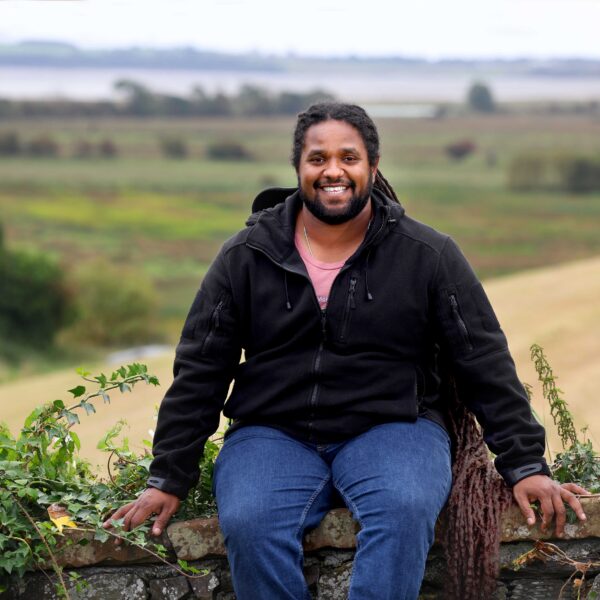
[(355, 206)]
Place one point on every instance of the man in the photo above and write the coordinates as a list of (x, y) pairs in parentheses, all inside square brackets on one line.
[(345, 308)]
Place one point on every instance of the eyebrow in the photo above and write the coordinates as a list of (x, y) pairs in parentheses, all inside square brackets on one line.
[(349, 150)]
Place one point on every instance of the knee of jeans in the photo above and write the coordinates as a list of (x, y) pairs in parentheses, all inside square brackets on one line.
[(245, 521), (403, 508)]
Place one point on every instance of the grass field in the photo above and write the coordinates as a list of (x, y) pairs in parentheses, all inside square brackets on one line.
[(167, 218)]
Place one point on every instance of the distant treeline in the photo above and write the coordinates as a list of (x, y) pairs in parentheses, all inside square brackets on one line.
[(63, 55), (140, 101)]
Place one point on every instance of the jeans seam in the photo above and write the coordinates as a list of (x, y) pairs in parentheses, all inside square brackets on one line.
[(354, 509), (308, 506)]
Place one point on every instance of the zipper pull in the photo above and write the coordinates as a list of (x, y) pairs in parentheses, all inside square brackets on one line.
[(351, 292), (324, 325)]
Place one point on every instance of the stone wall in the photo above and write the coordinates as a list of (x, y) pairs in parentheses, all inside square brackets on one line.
[(110, 572)]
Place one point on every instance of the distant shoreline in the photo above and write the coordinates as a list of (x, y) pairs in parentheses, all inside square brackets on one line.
[(413, 86)]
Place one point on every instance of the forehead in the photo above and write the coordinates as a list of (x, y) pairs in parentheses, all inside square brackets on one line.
[(333, 135)]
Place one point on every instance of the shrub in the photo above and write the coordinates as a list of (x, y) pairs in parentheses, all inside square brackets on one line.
[(174, 147), (10, 144), (579, 174), (35, 302), (114, 306), (461, 149), (228, 151), (43, 146), (480, 99), (107, 149)]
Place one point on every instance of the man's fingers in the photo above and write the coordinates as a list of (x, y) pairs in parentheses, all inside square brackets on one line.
[(525, 507), (573, 502), (561, 514), (117, 515), (163, 518), (547, 508), (575, 489)]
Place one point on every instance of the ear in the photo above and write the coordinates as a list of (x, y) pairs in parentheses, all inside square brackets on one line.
[(375, 167)]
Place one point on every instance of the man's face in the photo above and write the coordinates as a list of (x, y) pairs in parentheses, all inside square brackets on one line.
[(334, 175)]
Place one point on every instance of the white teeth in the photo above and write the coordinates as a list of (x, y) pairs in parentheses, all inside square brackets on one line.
[(334, 189)]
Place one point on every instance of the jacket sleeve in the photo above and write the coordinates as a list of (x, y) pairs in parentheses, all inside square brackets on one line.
[(205, 360), (484, 370)]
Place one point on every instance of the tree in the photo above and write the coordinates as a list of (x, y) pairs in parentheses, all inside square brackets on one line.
[(480, 99), (35, 302)]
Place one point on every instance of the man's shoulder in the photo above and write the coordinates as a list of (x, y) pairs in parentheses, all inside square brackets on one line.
[(421, 233)]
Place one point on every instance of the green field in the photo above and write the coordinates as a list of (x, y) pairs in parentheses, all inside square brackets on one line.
[(167, 218)]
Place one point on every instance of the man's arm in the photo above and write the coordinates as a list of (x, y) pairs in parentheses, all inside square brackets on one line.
[(488, 384), (206, 357)]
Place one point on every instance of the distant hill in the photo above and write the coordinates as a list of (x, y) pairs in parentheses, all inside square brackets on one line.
[(56, 54)]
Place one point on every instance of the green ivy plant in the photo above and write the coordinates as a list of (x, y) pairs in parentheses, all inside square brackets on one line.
[(41, 466)]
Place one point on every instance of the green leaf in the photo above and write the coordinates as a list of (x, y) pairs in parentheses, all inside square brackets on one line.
[(82, 371), (122, 371), (102, 380), (78, 391), (58, 404), (153, 380), (101, 535)]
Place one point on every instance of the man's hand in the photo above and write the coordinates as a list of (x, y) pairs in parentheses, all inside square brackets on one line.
[(552, 497), (151, 502)]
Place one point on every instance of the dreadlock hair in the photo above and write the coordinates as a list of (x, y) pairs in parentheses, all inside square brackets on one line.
[(471, 538), (355, 116)]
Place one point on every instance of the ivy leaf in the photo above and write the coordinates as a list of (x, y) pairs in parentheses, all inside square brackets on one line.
[(58, 404), (88, 407), (105, 397), (102, 380), (123, 387), (72, 418), (101, 535), (82, 371), (153, 380), (78, 391)]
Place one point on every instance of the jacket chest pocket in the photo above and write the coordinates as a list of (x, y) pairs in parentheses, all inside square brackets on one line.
[(213, 326), (349, 307)]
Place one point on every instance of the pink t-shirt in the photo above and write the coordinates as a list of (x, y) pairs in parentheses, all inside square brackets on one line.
[(321, 274)]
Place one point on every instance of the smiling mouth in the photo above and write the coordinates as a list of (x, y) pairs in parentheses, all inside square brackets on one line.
[(334, 189)]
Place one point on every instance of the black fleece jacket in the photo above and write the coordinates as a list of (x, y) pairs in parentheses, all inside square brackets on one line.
[(404, 299)]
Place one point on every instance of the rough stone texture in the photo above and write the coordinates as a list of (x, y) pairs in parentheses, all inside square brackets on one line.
[(196, 539), (204, 586), (327, 566), (74, 554), (333, 585), (336, 530), (514, 527), (173, 588)]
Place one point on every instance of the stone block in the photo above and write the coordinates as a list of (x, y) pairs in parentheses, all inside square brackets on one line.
[(203, 586), (337, 530), (173, 588), (334, 584), (514, 527), (196, 539)]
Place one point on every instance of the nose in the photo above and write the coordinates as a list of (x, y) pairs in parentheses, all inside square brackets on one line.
[(333, 170)]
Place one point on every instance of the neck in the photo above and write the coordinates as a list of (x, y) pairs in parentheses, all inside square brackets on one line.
[(331, 243)]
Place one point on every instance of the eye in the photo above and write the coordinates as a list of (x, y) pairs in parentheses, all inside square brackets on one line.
[(350, 159), (317, 160)]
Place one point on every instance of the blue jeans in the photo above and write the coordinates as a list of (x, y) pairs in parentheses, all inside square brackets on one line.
[(270, 488)]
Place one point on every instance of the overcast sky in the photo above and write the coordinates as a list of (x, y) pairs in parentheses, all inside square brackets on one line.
[(428, 28)]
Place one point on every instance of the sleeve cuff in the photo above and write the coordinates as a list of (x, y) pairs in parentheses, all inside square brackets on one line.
[(160, 483), (513, 476)]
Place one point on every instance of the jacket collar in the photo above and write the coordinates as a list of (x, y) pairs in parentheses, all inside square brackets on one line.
[(272, 229)]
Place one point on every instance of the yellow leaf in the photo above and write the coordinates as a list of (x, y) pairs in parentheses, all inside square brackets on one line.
[(62, 522), (60, 517)]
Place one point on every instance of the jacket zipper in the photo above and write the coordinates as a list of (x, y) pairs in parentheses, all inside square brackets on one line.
[(316, 367), (462, 327), (215, 322), (350, 305)]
